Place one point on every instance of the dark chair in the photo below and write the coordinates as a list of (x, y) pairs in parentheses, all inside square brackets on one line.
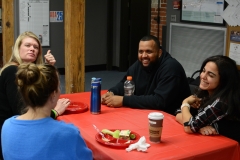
[(193, 88), (194, 82)]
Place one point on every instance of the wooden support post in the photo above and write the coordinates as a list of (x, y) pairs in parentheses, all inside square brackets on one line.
[(7, 29), (74, 26)]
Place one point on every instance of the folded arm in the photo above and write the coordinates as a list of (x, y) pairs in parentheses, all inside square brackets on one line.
[(206, 117)]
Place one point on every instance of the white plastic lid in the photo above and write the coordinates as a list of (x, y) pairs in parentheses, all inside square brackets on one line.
[(155, 115)]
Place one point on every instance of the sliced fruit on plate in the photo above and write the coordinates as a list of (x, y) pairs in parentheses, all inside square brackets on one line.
[(115, 134)]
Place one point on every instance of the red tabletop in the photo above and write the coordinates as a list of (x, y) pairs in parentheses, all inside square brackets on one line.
[(175, 143)]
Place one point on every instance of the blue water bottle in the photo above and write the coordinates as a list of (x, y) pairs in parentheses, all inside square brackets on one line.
[(100, 81), (95, 104)]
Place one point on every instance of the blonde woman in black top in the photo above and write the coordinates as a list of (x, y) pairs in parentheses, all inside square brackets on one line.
[(27, 48)]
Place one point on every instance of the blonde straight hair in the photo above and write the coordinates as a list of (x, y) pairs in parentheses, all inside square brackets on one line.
[(15, 57)]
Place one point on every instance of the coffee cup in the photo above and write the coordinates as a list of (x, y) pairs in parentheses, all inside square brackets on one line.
[(155, 126)]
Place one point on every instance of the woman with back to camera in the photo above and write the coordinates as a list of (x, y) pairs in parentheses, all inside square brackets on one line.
[(217, 101), (27, 48), (34, 134)]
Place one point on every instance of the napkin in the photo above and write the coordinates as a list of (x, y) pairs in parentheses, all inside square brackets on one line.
[(141, 145)]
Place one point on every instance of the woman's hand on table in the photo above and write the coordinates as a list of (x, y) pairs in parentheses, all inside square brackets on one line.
[(49, 58), (61, 106), (208, 130)]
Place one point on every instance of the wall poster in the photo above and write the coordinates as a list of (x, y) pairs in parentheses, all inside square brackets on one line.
[(34, 16), (203, 11)]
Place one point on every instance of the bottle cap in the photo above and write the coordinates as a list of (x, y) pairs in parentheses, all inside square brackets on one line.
[(98, 79), (129, 78)]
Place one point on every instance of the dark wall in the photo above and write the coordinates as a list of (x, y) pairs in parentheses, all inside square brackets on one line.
[(57, 35), (96, 32)]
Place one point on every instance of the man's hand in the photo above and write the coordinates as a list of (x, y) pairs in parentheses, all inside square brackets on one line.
[(49, 58), (112, 101), (104, 96)]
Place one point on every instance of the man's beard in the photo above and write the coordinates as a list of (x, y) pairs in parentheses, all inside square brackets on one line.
[(150, 67)]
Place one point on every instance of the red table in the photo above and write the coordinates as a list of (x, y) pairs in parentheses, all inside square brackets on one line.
[(176, 144)]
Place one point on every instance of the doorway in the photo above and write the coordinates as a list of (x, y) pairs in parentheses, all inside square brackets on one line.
[(135, 23)]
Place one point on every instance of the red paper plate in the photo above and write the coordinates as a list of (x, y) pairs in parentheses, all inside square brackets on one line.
[(76, 107), (114, 142)]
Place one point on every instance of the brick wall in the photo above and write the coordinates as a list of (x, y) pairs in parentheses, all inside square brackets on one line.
[(154, 14)]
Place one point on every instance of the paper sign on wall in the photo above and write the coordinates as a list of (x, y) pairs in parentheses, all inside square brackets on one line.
[(34, 16), (56, 16), (232, 13)]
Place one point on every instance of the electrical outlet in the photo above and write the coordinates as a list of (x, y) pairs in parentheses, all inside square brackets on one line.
[(173, 18)]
